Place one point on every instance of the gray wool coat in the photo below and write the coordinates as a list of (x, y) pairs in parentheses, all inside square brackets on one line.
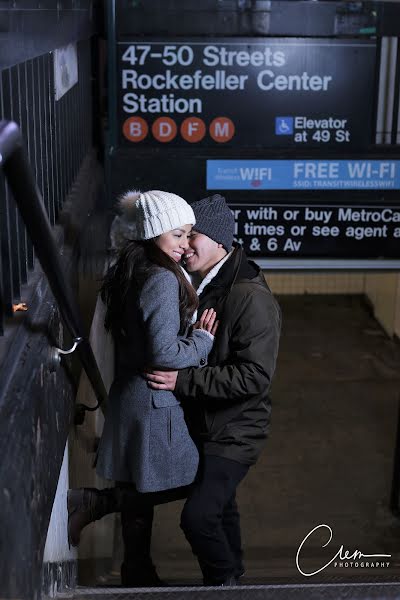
[(145, 438)]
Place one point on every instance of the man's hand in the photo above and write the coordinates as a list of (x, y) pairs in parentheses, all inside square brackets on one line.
[(161, 380)]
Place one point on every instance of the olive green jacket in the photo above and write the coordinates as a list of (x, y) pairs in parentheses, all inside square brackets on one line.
[(227, 403)]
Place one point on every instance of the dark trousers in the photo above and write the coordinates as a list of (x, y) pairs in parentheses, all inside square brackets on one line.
[(137, 513), (210, 519)]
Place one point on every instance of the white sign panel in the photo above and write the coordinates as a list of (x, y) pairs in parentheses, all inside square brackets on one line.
[(65, 69)]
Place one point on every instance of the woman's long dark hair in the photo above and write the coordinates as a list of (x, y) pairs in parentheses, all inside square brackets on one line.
[(135, 263)]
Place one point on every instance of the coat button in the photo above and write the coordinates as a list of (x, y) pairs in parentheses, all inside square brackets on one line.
[(202, 362)]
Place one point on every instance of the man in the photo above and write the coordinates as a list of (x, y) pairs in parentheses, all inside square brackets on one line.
[(227, 403)]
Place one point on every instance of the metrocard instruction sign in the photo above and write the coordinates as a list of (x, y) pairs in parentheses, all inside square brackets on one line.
[(246, 92), (303, 174)]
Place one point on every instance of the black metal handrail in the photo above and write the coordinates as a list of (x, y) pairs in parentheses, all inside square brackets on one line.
[(15, 165)]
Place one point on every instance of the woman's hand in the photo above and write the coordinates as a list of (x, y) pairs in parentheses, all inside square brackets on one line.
[(208, 321)]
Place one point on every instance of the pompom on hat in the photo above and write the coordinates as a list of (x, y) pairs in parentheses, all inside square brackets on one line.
[(146, 215)]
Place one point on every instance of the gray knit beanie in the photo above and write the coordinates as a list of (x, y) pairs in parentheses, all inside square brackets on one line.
[(214, 218), (146, 215)]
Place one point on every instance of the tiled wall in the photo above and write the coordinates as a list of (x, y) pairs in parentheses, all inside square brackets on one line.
[(382, 289), (397, 310), (316, 283)]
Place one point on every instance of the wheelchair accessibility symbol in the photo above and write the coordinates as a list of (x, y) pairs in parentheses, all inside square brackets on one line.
[(283, 125)]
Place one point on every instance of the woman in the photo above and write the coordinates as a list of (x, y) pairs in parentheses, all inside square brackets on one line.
[(150, 304)]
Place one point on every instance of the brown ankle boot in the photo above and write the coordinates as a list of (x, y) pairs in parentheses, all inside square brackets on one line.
[(86, 505)]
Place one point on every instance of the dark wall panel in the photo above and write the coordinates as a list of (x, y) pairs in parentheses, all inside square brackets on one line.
[(31, 28)]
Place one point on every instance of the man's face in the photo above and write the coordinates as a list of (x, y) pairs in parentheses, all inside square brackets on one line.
[(203, 253)]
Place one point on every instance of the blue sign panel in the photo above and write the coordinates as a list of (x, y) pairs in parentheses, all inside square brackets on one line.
[(284, 125), (303, 174)]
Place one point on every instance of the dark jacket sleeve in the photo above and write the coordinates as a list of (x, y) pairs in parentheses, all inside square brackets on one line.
[(159, 304), (254, 341)]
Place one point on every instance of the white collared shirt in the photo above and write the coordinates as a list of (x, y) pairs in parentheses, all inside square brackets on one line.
[(209, 277)]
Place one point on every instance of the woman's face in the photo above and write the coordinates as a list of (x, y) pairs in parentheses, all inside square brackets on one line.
[(175, 242)]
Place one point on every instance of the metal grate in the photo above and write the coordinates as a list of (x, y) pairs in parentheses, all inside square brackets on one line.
[(356, 591), (58, 134)]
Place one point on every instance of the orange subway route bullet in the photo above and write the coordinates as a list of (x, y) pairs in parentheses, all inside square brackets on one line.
[(222, 129), (164, 129), (193, 129), (135, 129)]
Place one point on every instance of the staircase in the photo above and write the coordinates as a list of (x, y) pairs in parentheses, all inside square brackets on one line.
[(326, 591)]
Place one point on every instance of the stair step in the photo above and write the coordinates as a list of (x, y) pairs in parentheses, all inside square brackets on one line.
[(326, 591)]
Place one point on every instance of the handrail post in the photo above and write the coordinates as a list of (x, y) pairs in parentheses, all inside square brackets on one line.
[(395, 487)]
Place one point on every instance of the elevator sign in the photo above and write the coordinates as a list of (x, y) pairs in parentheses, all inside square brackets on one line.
[(269, 92)]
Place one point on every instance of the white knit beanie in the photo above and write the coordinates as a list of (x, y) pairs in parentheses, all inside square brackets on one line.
[(146, 215)]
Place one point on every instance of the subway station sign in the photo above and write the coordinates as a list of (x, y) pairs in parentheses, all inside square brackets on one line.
[(303, 174), (294, 231), (256, 98), (300, 231), (255, 92)]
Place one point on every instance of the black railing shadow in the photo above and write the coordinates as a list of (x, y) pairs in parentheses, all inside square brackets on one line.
[(15, 165)]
